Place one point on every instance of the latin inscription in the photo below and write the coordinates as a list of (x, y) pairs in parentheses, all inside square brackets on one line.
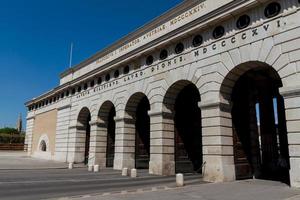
[(195, 12), (234, 41)]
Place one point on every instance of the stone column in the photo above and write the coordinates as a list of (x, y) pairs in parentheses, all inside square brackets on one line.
[(161, 143), (98, 142), (76, 144), (218, 158), (291, 97), (124, 143), (29, 132)]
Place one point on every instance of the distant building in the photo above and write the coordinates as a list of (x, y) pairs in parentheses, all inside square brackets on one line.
[(19, 123), (179, 95)]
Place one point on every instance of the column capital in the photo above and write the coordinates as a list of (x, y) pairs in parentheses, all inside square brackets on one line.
[(97, 122), (77, 127), (289, 92), (215, 104), (164, 114)]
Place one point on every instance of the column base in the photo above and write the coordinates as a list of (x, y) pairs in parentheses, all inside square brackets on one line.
[(160, 168), (295, 172), (121, 162), (218, 169)]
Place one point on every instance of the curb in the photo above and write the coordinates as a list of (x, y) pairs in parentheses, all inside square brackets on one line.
[(297, 197), (123, 192)]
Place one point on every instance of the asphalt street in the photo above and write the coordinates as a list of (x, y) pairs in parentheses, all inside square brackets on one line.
[(54, 183)]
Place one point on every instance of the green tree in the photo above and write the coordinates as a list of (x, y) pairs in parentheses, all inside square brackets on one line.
[(9, 130)]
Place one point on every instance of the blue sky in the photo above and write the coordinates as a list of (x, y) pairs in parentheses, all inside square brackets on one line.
[(35, 38)]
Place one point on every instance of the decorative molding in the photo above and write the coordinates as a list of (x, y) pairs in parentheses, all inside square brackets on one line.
[(290, 92), (64, 107), (212, 105)]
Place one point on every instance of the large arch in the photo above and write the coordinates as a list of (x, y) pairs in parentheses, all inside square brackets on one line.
[(107, 131), (138, 124), (181, 101), (83, 128), (258, 122)]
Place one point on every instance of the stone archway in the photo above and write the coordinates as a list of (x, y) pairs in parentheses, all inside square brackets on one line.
[(138, 120), (107, 131), (258, 122), (182, 100), (83, 130)]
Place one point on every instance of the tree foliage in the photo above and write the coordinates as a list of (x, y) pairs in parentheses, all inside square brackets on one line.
[(8, 130)]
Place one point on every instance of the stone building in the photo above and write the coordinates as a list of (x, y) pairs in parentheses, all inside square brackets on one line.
[(211, 87)]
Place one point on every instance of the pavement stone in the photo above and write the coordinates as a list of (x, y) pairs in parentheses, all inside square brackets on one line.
[(18, 160), (239, 190)]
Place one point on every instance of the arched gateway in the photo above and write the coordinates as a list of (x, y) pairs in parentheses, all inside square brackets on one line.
[(209, 87), (259, 123), (182, 100), (83, 131)]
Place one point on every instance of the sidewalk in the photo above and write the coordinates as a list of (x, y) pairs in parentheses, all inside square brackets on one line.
[(240, 190), (18, 160)]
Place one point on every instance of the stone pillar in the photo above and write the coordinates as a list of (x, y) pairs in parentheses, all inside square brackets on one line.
[(161, 144), (124, 143), (291, 97), (98, 142), (218, 158), (29, 133), (76, 144)]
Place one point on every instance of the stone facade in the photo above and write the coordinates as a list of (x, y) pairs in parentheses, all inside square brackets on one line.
[(213, 66)]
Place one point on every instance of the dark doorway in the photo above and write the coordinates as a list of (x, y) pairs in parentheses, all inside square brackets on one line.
[(87, 140), (259, 127), (188, 135), (142, 138), (111, 130)]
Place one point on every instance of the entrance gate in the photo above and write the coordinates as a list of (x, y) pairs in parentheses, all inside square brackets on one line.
[(188, 136), (142, 136), (111, 129), (259, 130)]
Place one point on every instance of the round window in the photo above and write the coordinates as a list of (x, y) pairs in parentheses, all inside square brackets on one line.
[(197, 41), (99, 80), (149, 60), (243, 22), (272, 9), (85, 86), (179, 48), (126, 69), (92, 83), (218, 32), (163, 54), (107, 77), (116, 74)]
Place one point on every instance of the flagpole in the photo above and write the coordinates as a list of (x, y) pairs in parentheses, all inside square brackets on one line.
[(71, 55)]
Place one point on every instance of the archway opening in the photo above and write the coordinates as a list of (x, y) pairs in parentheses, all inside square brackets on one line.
[(142, 134), (111, 134), (43, 146), (188, 133), (259, 126), (84, 128)]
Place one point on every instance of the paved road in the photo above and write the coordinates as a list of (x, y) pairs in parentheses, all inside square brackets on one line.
[(20, 160), (53, 183), (239, 190)]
